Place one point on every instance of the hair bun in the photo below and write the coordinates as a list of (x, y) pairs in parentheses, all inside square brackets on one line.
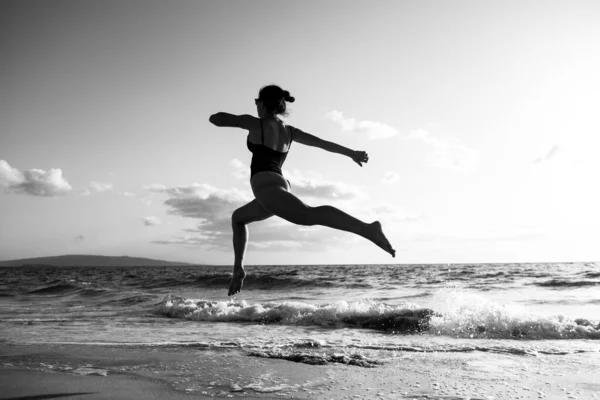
[(287, 97)]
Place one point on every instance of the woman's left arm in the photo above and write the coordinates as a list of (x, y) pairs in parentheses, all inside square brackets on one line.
[(224, 119)]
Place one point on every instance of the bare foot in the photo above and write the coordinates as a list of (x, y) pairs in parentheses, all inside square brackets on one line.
[(375, 235), (237, 280)]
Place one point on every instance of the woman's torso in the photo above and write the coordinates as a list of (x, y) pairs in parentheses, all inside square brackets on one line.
[(269, 145), (276, 135)]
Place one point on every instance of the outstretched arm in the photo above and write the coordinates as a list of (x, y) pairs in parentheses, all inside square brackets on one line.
[(310, 140), (223, 119)]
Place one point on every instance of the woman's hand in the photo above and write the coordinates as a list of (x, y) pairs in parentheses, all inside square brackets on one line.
[(360, 157)]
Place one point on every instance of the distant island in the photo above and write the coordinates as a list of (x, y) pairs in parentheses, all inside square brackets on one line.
[(80, 260)]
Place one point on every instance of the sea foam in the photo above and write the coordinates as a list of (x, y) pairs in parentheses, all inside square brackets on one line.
[(456, 314), (465, 314), (363, 313)]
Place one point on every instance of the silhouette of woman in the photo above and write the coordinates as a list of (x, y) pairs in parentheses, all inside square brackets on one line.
[(269, 140)]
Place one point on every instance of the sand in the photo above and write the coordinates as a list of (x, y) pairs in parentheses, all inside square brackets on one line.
[(93, 372)]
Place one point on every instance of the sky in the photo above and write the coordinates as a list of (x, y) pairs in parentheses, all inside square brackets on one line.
[(480, 119)]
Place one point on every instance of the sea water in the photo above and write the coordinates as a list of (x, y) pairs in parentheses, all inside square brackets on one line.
[(325, 309)]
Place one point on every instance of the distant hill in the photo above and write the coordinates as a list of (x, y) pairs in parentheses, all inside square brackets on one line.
[(79, 260)]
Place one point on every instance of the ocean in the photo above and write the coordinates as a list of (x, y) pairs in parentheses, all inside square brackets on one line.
[(353, 314)]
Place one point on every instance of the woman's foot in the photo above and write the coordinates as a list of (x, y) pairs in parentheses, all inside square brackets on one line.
[(375, 235), (237, 280)]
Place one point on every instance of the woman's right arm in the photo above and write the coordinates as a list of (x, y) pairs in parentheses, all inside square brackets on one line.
[(311, 140)]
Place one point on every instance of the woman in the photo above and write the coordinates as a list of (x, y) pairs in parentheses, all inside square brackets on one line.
[(269, 140)]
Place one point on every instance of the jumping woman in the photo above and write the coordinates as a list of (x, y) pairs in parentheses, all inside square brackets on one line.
[(269, 140)]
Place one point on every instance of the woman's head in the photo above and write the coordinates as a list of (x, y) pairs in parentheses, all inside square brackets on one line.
[(274, 100)]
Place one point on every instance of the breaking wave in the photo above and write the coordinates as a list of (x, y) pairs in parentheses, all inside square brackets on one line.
[(458, 315)]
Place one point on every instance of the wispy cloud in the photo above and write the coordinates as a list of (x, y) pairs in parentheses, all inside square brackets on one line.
[(35, 182), (128, 194), (204, 201), (268, 235), (240, 170), (373, 130), (155, 187), (212, 207), (485, 237), (152, 221), (554, 150), (323, 189), (96, 187), (392, 214), (390, 177), (100, 186), (447, 152)]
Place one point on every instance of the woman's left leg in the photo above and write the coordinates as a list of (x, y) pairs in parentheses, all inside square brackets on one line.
[(273, 194)]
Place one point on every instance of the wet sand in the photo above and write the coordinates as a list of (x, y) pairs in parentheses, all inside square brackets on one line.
[(95, 372)]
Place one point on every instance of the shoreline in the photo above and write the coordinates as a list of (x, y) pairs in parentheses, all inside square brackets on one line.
[(115, 372)]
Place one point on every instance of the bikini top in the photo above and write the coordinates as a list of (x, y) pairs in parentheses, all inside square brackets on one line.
[(265, 158)]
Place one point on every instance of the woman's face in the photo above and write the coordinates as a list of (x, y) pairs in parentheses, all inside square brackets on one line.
[(260, 109)]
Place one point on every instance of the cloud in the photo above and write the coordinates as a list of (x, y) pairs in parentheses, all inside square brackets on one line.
[(152, 221), (241, 170), (128, 194), (268, 235), (323, 189), (392, 213), (155, 187), (373, 130), (447, 152), (554, 150), (204, 201), (96, 187), (100, 186), (485, 237), (35, 182), (390, 177), (212, 207)]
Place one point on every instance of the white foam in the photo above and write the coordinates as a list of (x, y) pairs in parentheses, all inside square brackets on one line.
[(457, 313), (465, 314), (287, 312)]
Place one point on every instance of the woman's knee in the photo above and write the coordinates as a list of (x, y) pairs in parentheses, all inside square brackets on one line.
[(236, 218)]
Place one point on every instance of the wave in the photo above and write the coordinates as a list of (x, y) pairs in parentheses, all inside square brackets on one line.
[(60, 288), (130, 300), (558, 283), (317, 359), (458, 315), (362, 314), (253, 281), (67, 289), (277, 281)]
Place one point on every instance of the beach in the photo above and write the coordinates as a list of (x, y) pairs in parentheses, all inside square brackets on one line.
[(518, 331), (109, 372)]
